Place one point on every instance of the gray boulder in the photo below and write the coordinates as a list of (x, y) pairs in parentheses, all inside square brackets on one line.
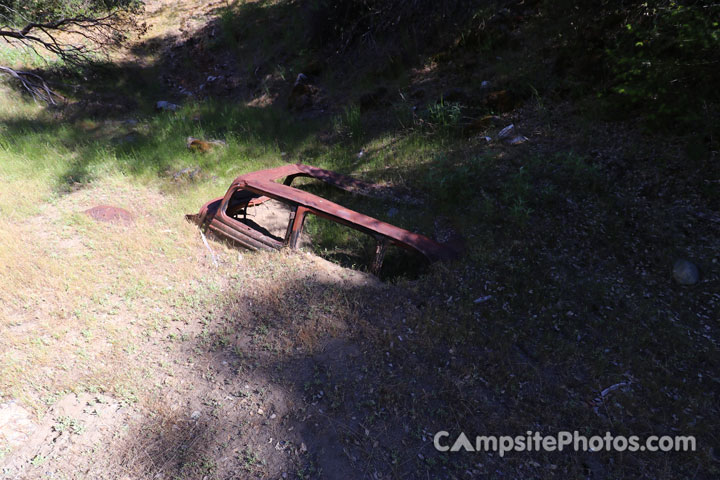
[(685, 272)]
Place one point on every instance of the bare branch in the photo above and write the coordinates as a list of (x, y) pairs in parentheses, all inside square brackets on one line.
[(34, 84), (76, 40), (101, 33)]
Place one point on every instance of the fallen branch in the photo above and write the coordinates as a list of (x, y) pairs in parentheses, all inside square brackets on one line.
[(34, 84)]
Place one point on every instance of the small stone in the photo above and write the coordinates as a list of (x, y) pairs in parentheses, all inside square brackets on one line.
[(685, 272), (506, 132), (195, 415), (517, 140), (273, 416), (260, 411), (163, 105), (510, 136), (301, 79), (302, 95)]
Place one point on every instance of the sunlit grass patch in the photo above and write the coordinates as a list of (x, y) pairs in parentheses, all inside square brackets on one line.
[(16, 55)]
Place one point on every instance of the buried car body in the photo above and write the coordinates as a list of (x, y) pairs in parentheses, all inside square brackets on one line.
[(226, 217)]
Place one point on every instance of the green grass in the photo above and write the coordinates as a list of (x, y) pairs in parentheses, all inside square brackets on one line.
[(20, 56)]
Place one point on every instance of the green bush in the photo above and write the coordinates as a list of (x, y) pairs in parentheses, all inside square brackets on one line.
[(21, 12), (658, 58), (667, 58)]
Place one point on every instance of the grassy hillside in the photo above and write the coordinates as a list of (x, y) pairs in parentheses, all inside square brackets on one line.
[(290, 364)]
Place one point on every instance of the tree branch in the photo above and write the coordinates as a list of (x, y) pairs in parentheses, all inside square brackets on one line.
[(34, 84), (75, 40), (101, 34)]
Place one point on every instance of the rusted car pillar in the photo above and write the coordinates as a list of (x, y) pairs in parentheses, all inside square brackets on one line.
[(295, 227), (380, 250)]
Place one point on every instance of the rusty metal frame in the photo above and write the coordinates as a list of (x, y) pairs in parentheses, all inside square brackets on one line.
[(261, 186)]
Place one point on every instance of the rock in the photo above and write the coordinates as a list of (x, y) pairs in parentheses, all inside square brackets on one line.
[(110, 214), (187, 174), (165, 106), (302, 94), (301, 79), (202, 146), (685, 272), (500, 101), (16, 425), (510, 136), (506, 132), (517, 140)]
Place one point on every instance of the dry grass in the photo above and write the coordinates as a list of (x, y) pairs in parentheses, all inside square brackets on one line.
[(77, 294)]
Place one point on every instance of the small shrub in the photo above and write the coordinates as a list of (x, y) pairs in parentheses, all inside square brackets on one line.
[(349, 122), (445, 116), (654, 58)]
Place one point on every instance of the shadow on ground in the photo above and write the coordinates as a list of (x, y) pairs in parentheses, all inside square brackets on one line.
[(328, 374)]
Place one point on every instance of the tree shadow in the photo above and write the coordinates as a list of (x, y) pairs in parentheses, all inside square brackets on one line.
[(320, 372), (304, 377)]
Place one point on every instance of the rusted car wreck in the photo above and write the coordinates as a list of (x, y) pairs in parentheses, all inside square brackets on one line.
[(226, 217)]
